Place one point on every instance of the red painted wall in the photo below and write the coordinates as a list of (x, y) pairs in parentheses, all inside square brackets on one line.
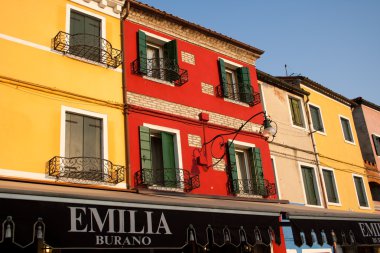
[(190, 94)]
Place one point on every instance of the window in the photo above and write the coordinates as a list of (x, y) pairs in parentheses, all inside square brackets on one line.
[(330, 186), (316, 118), (346, 129), (158, 58), (235, 82), (159, 157), (310, 186), (376, 143), (296, 111), (246, 171), (360, 191), (85, 35), (84, 143)]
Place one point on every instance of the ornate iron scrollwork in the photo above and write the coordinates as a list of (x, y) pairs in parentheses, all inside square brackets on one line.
[(160, 68), (234, 93), (85, 170), (89, 47), (167, 177)]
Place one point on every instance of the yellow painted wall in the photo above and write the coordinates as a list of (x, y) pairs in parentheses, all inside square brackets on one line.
[(335, 153), (35, 82)]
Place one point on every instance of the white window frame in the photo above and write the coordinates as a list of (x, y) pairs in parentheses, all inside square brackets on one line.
[(177, 148), (365, 192), (302, 112), (103, 117), (300, 164), (351, 129), (373, 144), (336, 186), (311, 119), (273, 158), (70, 7)]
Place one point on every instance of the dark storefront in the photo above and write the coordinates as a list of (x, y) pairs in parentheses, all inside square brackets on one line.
[(53, 224)]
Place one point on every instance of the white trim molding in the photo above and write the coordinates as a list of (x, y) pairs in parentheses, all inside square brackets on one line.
[(302, 112)]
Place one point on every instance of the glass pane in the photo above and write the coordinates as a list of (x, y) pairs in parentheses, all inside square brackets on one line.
[(328, 177), (157, 160), (153, 63)]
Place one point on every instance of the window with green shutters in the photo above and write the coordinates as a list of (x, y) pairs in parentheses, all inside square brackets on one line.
[(310, 186), (376, 143), (347, 133), (316, 118), (330, 186), (296, 112), (245, 170), (85, 35), (157, 154), (157, 59), (235, 82), (360, 191)]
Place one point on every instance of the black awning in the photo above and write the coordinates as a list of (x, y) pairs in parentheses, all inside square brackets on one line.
[(77, 223), (342, 231)]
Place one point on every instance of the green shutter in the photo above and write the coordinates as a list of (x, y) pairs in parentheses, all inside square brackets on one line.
[(296, 112), (310, 186), (328, 177), (316, 118), (223, 77), (376, 143), (76, 23), (142, 52), (171, 60), (145, 154), (233, 169), (257, 171), (245, 87), (360, 191), (170, 179)]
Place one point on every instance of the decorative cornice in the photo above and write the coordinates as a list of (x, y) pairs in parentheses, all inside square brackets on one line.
[(112, 7), (174, 26)]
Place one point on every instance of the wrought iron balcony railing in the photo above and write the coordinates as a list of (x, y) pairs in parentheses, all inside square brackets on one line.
[(167, 178), (88, 47), (234, 93), (250, 187), (85, 170), (161, 68)]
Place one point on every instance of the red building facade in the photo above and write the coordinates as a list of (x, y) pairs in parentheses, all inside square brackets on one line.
[(185, 86)]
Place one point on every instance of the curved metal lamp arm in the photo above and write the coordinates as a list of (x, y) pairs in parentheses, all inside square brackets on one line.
[(235, 132)]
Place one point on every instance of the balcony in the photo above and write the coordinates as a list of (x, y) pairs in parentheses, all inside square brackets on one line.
[(85, 170), (165, 178), (250, 187), (164, 69), (234, 93), (87, 47)]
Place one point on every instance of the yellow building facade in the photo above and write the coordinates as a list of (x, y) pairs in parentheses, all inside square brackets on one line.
[(61, 93), (341, 176)]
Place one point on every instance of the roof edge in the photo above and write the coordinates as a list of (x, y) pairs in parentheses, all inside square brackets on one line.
[(362, 101), (265, 77), (184, 22)]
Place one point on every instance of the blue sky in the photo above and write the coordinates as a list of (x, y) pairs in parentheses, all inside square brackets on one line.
[(333, 42)]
